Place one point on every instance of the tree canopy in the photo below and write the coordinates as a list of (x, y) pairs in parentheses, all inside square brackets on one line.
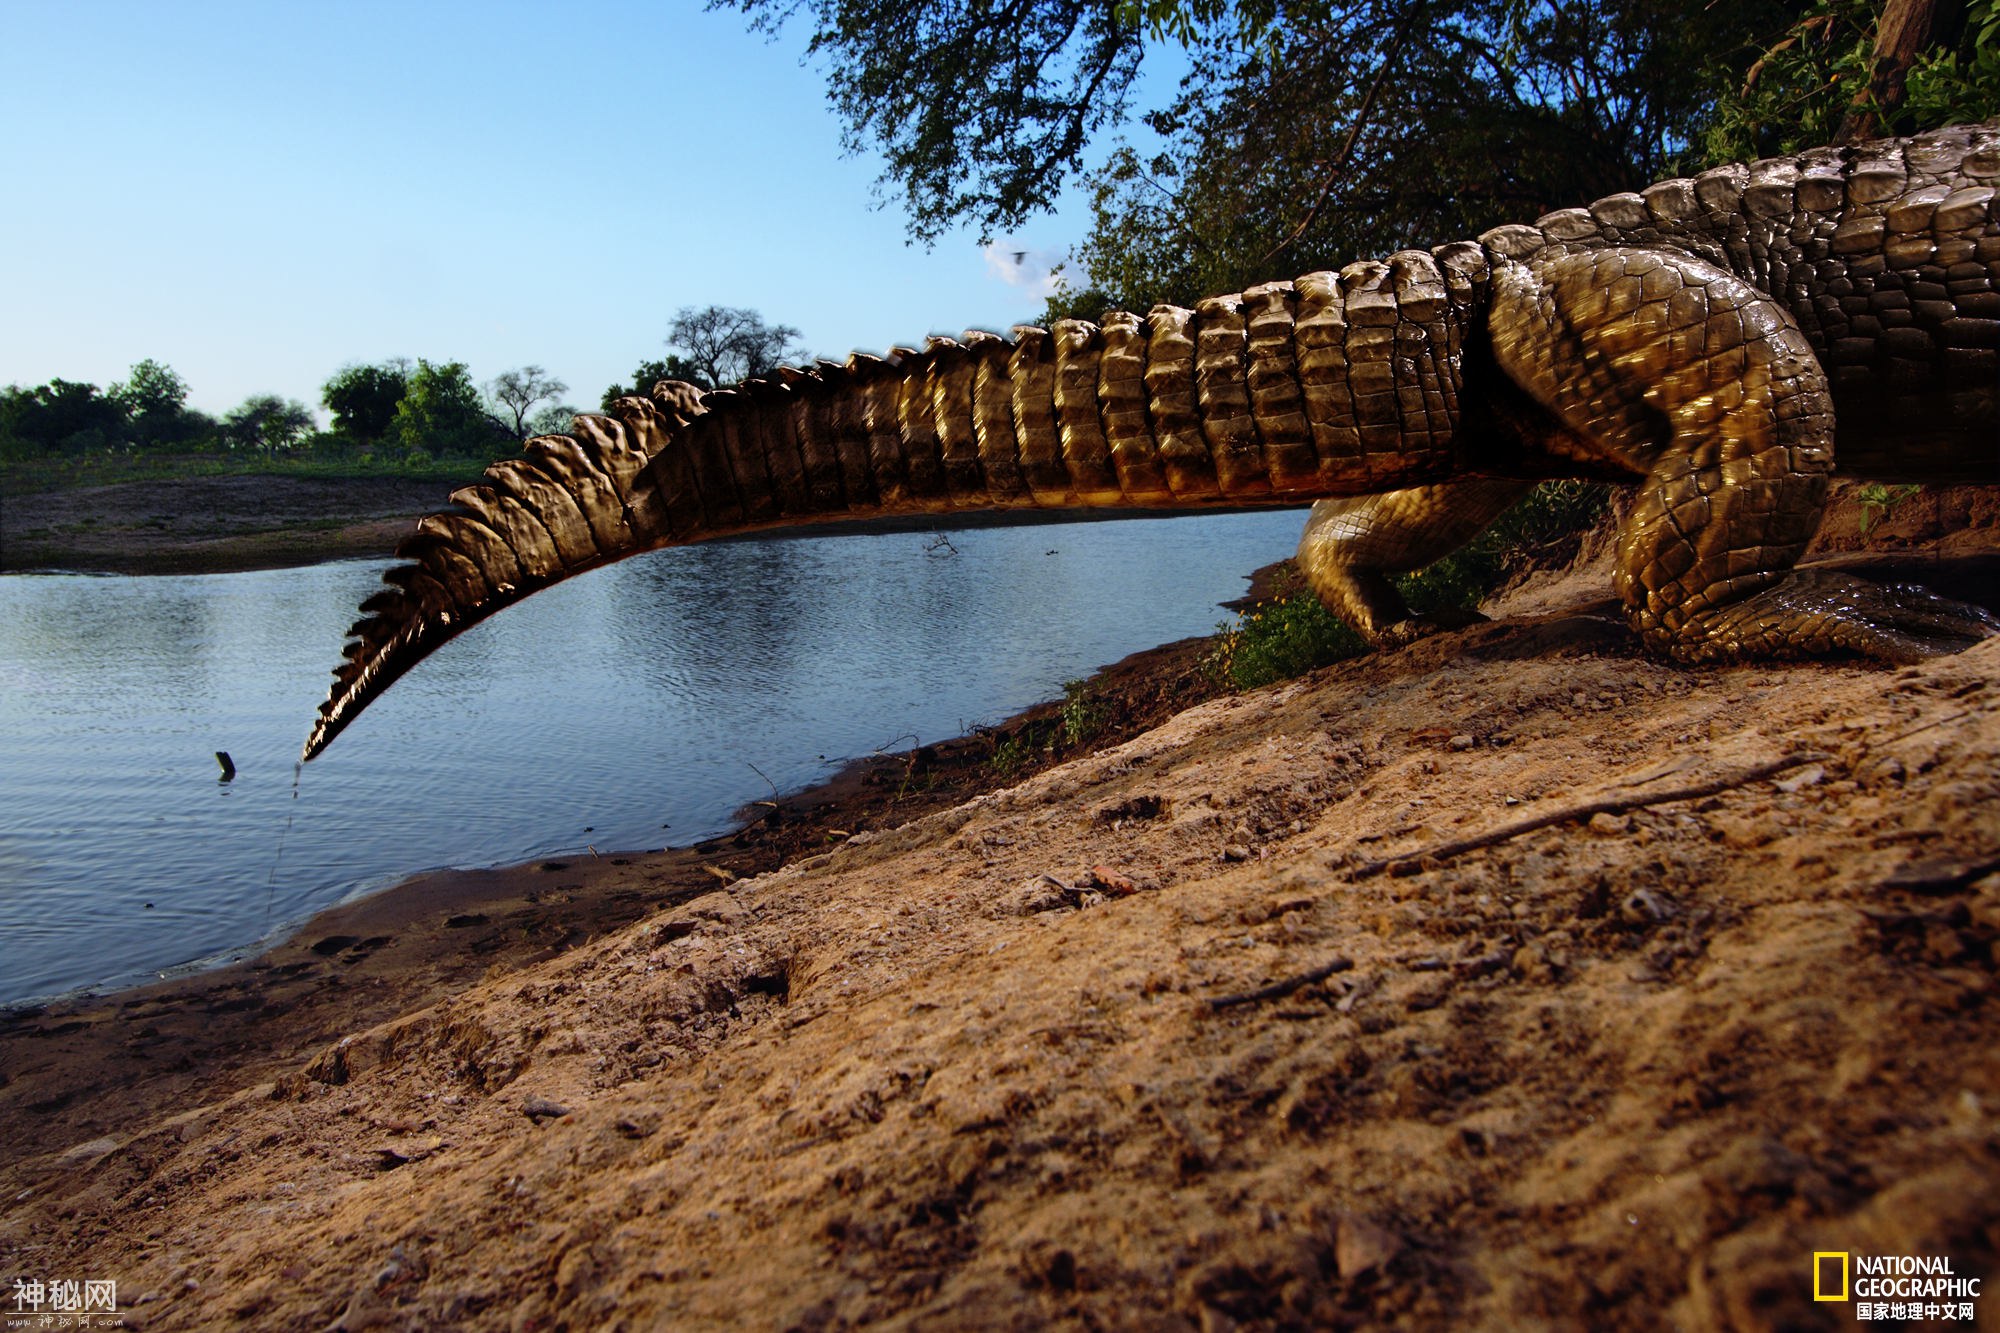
[(980, 109), (268, 424), (441, 412), (1313, 132), (649, 373), (519, 390), (363, 398), (1361, 127), (725, 344), (395, 413)]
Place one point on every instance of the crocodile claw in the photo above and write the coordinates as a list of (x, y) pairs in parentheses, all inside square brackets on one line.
[(1816, 613)]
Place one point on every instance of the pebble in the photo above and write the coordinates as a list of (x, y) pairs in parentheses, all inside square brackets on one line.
[(1360, 1246), (1462, 741), (1806, 777), (537, 1107), (84, 1154), (1608, 825), (1644, 907)]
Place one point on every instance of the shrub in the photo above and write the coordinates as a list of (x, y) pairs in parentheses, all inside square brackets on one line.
[(1291, 633)]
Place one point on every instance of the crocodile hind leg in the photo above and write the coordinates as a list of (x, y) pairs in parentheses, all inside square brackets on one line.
[(1351, 546), (1683, 374)]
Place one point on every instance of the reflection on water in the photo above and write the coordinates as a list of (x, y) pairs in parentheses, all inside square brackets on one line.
[(625, 709)]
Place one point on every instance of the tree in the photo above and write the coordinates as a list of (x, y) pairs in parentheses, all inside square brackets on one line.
[(519, 390), (650, 373), (980, 110), (553, 420), (440, 412), (1314, 132), (152, 389), (725, 344), (267, 423), (363, 399), (62, 417), (1358, 127), (1851, 69), (155, 402)]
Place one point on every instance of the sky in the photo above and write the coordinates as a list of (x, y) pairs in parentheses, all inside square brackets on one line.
[(258, 194)]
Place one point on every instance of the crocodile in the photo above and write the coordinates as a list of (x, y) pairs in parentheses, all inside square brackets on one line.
[(1725, 341)]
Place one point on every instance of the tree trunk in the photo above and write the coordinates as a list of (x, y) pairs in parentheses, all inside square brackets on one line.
[(1905, 30)]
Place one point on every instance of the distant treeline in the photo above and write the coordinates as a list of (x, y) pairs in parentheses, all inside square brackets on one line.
[(391, 414), (396, 409)]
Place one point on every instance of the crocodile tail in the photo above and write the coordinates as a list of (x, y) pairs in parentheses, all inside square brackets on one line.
[(1338, 384)]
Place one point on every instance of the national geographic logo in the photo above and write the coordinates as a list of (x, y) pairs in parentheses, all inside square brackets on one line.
[(1894, 1286)]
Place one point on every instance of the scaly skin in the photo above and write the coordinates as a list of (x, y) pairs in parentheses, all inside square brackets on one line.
[(1707, 339)]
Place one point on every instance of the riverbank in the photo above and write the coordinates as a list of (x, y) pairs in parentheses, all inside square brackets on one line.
[(211, 525), (433, 935)]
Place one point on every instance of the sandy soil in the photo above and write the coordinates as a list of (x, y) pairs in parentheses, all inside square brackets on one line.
[(1509, 980)]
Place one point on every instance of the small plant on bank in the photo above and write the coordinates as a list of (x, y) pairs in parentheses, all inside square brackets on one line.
[(1291, 633), (1284, 636), (1879, 501), (1083, 716), (1017, 751)]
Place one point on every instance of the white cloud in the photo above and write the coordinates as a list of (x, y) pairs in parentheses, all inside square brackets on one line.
[(1033, 271)]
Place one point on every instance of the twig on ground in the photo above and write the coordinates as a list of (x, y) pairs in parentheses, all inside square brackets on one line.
[(1278, 990), (1607, 805)]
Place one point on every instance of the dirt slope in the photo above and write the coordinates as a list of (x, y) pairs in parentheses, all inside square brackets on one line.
[(1733, 1003)]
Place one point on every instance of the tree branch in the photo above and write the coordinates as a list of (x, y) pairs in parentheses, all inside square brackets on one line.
[(1339, 163)]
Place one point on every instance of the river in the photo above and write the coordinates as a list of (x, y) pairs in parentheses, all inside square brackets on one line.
[(636, 706)]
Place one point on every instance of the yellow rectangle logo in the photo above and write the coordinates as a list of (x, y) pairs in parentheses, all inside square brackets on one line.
[(1820, 1267)]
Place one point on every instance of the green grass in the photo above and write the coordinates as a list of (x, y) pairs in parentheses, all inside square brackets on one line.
[(1291, 633), (1082, 716), (1016, 753), (1286, 636)]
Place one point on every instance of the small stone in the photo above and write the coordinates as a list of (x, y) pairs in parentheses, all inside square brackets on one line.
[(1532, 962), (1236, 851), (1805, 777), (538, 1108), (393, 1155), (1643, 907), (1360, 1246), (1608, 825), (86, 1154), (1462, 741), (1484, 965), (1113, 882)]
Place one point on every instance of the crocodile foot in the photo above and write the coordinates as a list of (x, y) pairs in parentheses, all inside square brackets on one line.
[(1815, 613)]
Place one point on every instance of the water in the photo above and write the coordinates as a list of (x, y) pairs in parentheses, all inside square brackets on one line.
[(633, 707)]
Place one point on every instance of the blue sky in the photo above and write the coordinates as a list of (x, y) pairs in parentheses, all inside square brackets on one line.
[(256, 194)]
